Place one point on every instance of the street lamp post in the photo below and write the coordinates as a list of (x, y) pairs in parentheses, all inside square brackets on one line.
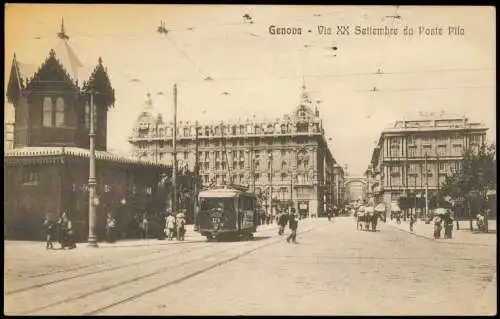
[(174, 154), (196, 179), (426, 189), (92, 240)]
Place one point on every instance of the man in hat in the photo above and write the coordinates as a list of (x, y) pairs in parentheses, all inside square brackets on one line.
[(170, 223), (293, 223), (181, 223)]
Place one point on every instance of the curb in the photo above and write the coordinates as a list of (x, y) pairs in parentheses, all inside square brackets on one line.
[(439, 241)]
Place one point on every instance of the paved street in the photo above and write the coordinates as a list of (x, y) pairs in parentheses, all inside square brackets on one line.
[(333, 270)]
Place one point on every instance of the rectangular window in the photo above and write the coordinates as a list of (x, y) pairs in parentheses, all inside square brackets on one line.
[(442, 167), (475, 139), (412, 168), (410, 140), (426, 140), (412, 152), (395, 150), (31, 177), (441, 150), (457, 150)]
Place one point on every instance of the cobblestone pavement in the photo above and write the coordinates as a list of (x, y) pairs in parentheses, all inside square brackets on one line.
[(333, 270)]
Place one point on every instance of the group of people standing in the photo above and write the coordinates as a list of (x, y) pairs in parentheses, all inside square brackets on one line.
[(440, 221), (61, 231), (175, 225), (292, 219)]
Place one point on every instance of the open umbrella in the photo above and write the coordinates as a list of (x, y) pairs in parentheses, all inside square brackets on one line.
[(395, 207), (380, 208), (441, 211)]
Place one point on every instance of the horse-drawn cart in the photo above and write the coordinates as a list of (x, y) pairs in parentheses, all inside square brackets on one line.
[(368, 216)]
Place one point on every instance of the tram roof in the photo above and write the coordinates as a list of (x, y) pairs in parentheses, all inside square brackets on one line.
[(223, 192)]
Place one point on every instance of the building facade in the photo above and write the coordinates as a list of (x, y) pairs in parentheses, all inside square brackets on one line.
[(285, 160), (416, 155), (47, 171), (8, 136)]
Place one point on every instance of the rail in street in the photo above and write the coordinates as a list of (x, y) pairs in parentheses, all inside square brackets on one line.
[(334, 269)]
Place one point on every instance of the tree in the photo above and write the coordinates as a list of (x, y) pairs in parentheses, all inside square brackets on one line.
[(475, 178)]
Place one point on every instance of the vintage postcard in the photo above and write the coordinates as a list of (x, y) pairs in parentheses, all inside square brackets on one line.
[(249, 160)]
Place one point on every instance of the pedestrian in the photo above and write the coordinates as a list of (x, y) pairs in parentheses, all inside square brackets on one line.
[(145, 226), (412, 221), (293, 224), (480, 222), (398, 217), (282, 220), (448, 227), (170, 223), (50, 230), (180, 224), (110, 228), (437, 227), (67, 232)]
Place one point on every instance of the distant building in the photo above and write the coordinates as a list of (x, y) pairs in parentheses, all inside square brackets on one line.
[(46, 171), (287, 160), (415, 154)]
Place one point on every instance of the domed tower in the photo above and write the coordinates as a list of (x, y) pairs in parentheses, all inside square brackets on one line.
[(304, 116), (145, 129), (51, 109)]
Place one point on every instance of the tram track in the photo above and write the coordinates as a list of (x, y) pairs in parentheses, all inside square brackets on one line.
[(137, 262), (120, 284), (189, 275), (188, 268), (66, 270)]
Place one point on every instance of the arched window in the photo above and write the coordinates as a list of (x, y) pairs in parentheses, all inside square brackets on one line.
[(60, 112), (47, 112)]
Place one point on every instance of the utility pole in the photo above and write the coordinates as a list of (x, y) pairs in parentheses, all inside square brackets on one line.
[(426, 188), (437, 177), (174, 154), (92, 240), (196, 179), (271, 181), (291, 190)]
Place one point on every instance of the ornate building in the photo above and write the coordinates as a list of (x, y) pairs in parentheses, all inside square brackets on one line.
[(47, 170), (417, 154), (285, 160)]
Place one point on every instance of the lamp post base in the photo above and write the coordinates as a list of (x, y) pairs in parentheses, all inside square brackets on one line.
[(92, 242)]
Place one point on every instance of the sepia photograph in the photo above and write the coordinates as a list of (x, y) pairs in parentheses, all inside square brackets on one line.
[(167, 159)]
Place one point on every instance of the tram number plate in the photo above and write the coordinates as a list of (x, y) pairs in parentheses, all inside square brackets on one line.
[(215, 220)]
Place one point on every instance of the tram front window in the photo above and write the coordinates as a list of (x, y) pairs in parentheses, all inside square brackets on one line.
[(222, 204)]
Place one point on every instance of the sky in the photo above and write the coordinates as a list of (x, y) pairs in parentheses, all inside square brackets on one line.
[(263, 73)]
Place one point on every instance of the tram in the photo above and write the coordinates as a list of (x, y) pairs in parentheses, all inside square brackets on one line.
[(227, 211)]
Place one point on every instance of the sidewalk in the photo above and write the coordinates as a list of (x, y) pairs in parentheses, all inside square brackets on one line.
[(190, 237), (463, 236)]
